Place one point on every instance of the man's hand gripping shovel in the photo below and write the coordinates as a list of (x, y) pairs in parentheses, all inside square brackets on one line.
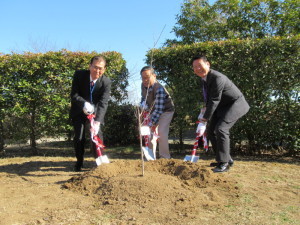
[(98, 142)]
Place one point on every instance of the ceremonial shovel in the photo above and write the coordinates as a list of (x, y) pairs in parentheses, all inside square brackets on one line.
[(98, 142), (200, 132), (193, 157)]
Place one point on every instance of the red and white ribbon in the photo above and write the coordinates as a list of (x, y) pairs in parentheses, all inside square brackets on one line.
[(95, 137), (146, 121), (205, 145)]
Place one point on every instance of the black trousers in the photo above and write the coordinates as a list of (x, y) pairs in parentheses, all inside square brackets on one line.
[(81, 125), (219, 136)]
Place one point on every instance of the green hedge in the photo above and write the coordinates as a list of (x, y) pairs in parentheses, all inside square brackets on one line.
[(266, 71), (35, 91)]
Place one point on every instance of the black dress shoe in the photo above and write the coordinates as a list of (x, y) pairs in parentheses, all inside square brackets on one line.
[(231, 162), (213, 164), (222, 167), (77, 167)]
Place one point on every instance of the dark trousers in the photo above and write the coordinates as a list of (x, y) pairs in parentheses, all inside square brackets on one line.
[(81, 124), (218, 134)]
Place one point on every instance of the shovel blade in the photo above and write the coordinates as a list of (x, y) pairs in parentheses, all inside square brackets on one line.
[(191, 158), (102, 159), (148, 153)]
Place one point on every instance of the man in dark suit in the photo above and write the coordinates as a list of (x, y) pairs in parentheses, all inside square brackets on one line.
[(225, 104), (90, 94)]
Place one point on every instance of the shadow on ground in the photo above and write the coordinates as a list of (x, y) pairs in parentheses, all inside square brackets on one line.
[(65, 149)]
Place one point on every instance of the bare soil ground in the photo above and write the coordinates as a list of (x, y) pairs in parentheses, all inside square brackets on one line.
[(44, 190)]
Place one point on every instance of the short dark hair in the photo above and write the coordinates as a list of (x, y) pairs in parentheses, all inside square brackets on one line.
[(203, 57), (145, 68), (98, 58)]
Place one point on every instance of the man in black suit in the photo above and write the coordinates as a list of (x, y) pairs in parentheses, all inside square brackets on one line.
[(90, 94), (225, 104)]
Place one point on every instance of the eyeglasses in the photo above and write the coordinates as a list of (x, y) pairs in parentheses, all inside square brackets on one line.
[(197, 67), (98, 68)]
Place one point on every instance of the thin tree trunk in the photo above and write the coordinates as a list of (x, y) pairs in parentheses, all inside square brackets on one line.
[(1, 136), (181, 144), (33, 133)]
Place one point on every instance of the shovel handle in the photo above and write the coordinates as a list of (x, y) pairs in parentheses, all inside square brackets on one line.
[(194, 151), (195, 145), (146, 138), (99, 153)]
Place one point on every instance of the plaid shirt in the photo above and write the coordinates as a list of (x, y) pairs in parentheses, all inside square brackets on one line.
[(158, 106)]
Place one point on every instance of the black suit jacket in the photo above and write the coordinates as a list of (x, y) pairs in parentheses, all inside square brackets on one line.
[(224, 98), (80, 93)]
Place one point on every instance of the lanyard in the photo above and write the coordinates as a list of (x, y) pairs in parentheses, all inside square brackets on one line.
[(204, 89)]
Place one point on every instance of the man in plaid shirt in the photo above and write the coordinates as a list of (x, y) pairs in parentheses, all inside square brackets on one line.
[(157, 101)]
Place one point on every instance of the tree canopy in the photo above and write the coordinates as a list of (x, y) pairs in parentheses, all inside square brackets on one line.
[(199, 21), (35, 91), (265, 70)]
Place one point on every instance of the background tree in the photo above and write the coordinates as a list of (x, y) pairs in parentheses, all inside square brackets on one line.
[(3, 100), (226, 19), (35, 92), (267, 72)]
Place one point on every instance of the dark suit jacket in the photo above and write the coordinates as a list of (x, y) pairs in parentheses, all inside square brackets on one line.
[(224, 98), (80, 94)]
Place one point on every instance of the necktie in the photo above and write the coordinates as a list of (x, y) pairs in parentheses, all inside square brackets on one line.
[(91, 90)]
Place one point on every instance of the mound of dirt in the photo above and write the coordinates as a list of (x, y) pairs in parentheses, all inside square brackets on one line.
[(168, 187)]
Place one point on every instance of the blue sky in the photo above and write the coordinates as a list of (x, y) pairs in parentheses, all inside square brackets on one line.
[(130, 27)]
